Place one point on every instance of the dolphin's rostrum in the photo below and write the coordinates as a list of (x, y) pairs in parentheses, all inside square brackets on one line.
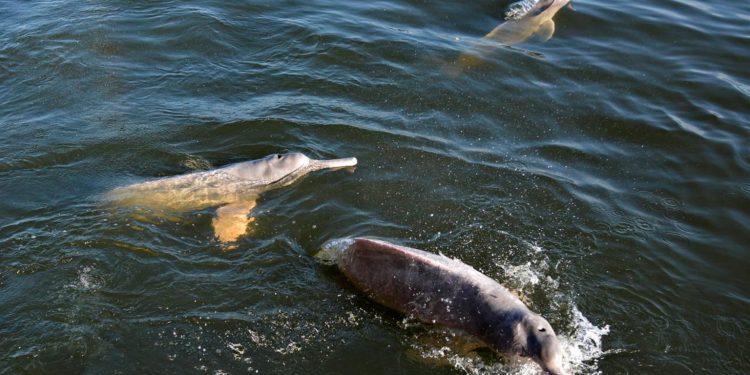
[(437, 289), (233, 189)]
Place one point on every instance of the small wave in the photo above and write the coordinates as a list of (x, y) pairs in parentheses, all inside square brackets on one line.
[(196, 163)]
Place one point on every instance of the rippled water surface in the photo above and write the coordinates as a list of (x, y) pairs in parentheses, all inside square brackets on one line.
[(603, 175)]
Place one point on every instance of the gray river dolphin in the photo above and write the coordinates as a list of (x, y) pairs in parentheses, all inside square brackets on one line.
[(523, 20), (233, 189), (437, 289)]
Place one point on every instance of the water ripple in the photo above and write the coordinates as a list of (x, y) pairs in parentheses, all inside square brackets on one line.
[(604, 173)]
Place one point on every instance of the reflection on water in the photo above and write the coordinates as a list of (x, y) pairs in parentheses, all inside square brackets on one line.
[(605, 182)]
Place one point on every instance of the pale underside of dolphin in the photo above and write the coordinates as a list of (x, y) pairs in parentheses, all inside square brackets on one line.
[(233, 189), (524, 19)]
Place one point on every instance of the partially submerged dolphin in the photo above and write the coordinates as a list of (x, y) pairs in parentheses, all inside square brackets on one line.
[(437, 289), (233, 189), (523, 20)]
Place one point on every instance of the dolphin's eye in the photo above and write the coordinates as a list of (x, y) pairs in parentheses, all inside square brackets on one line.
[(542, 329), (278, 156)]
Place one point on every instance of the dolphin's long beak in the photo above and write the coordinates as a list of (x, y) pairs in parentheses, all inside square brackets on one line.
[(333, 163)]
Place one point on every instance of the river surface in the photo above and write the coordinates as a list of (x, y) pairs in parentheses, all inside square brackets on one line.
[(603, 175)]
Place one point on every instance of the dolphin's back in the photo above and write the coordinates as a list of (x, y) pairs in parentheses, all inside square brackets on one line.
[(239, 182), (433, 288), (190, 191)]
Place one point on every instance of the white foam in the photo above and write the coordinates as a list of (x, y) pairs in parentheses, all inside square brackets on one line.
[(86, 281), (519, 9), (522, 273), (582, 351), (292, 347)]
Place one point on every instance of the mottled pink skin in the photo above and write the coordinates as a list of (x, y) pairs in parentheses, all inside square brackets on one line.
[(437, 289)]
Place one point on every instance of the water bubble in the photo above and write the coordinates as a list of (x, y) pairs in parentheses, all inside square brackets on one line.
[(236, 348), (292, 347)]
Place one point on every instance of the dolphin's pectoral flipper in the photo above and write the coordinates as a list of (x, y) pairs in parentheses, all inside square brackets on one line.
[(231, 220), (546, 30)]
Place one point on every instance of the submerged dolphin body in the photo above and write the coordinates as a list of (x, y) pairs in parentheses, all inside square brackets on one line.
[(437, 289), (233, 189), (523, 20)]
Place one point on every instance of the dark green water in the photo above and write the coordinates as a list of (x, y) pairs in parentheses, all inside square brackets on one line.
[(608, 181)]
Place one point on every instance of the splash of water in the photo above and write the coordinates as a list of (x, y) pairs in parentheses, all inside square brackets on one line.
[(581, 349), (519, 9)]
